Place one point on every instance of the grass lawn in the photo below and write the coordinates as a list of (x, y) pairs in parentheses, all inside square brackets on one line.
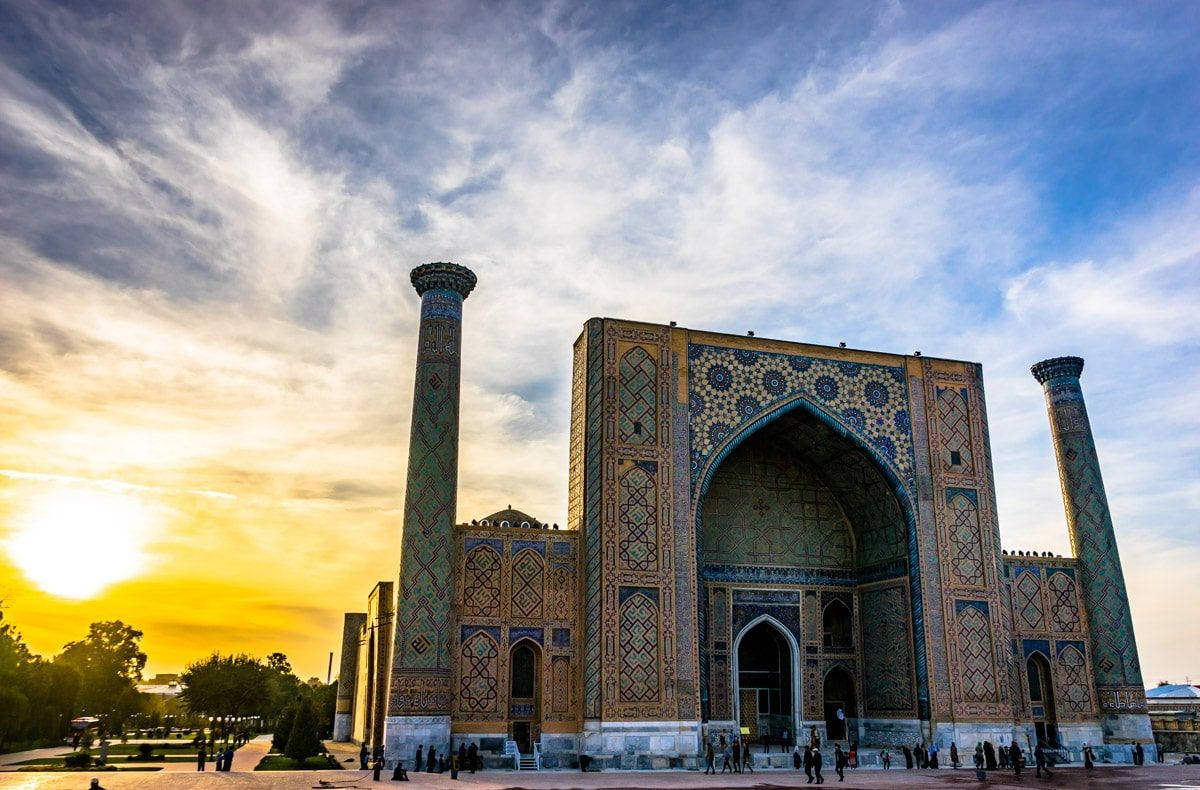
[(277, 762)]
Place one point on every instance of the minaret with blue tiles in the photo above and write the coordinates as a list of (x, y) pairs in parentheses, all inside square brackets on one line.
[(418, 709), (1118, 675)]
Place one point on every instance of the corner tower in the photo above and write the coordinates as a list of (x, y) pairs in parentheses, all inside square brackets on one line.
[(418, 709), (1115, 664)]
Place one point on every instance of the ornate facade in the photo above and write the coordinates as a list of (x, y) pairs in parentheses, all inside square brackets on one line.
[(763, 535)]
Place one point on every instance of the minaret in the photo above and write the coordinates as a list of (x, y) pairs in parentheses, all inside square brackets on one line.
[(1118, 675), (418, 708)]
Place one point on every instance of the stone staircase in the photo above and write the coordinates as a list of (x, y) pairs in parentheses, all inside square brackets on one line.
[(523, 762)]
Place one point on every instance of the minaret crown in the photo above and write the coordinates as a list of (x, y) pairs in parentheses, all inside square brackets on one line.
[(443, 275), (1057, 367)]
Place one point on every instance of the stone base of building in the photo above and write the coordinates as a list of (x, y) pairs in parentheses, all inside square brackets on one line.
[(642, 745), (341, 727), (403, 734), (1121, 732)]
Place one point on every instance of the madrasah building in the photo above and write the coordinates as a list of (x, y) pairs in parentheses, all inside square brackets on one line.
[(761, 534)]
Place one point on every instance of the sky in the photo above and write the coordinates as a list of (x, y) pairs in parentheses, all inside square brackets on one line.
[(208, 213)]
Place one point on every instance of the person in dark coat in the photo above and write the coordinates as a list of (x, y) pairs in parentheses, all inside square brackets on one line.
[(1039, 762), (933, 757), (473, 756), (462, 755), (201, 758), (737, 756), (431, 760), (725, 756), (1139, 755), (363, 754), (709, 759), (747, 763), (817, 765), (1089, 761), (796, 759), (419, 760), (398, 773), (1017, 759), (808, 763), (953, 755), (1003, 756), (989, 755), (839, 762), (908, 758), (979, 759)]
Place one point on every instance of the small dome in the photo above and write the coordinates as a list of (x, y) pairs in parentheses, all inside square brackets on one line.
[(513, 517)]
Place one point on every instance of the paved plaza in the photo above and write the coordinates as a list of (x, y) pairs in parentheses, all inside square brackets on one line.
[(1150, 776)]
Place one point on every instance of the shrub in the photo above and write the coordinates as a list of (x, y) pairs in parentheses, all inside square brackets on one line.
[(304, 741), (145, 750), (79, 759)]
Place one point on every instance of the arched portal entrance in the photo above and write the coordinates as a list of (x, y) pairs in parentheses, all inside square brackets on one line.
[(799, 519), (523, 694), (767, 683), (1041, 699), (841, 706)]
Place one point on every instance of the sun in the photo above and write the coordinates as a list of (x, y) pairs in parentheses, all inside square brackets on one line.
[(74, 542)]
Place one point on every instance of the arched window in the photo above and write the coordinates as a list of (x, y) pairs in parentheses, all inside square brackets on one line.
[(1041, 699), (523, 672), (837, 627)]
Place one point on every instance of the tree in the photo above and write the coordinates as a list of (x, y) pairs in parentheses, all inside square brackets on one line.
[(109, 661), (226, 686), (279, 662), (304, 741), (324, 697), (283, 729)]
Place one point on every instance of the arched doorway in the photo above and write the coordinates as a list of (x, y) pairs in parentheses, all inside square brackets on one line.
[(523, 694), (766, 685), (1041, 699), (841, 707), (794, 503)]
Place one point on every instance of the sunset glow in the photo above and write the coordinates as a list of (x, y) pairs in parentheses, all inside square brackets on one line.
[(74, 543)]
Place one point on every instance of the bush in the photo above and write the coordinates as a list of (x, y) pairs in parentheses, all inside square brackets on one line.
[(79, 759), (304, 741), (145, 750), (283, 729)]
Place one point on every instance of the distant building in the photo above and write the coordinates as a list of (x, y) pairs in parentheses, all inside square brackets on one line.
[(162, 685), (1175, 716)]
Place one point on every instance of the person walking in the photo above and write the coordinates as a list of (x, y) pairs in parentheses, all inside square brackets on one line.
[(1003, 756), (201, 758), (747, 761), (979, 760), (839, 762), (808, 763), (933, 756), (1017, 759), (1089, 761), (725, 756), (785, 742), (431, 759), (796, 759), (817, 765), (419, 760), (885, 757), (989, 755), (953, 755), (473, 756), (1039, 762), (1139, 755), (708, 759), (462, 756), (908, 758)]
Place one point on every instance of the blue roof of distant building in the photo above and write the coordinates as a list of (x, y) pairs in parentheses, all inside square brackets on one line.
[(1174, 691)]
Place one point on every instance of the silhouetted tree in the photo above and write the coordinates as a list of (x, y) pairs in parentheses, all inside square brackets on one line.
[(304, 741)]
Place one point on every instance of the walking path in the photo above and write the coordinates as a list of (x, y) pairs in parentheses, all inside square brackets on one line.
[(1150, 776)]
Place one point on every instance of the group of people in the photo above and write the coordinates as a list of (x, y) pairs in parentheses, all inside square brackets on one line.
[(466, 758), (222, 760), (736, 757), (739, 752)]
